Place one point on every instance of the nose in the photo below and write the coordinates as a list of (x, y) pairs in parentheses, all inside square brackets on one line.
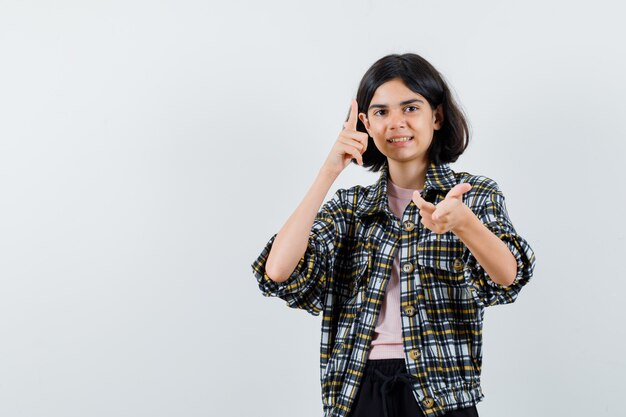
[(397, 119)]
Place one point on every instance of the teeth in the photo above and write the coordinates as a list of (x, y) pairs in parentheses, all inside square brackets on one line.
[(404, 139)]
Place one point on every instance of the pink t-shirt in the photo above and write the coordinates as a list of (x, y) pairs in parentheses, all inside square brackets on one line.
[(387, 341)]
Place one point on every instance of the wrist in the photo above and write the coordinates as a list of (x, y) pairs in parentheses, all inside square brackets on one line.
[(468, 220)]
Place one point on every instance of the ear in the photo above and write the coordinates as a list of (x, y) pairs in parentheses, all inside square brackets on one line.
[(438, 117), (366, 123)]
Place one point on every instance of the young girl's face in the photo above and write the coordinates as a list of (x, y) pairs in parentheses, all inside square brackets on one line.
[(397, 112)]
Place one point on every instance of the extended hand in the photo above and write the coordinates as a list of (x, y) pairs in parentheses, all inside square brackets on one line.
[(448, 214)]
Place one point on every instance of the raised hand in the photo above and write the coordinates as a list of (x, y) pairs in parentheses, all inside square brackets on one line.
[(350, 144), (448, 214)]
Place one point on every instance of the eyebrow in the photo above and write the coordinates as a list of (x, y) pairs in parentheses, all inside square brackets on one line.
[(382, 106)]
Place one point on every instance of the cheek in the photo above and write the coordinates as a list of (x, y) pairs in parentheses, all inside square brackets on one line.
[(423, 121), (377, 129)]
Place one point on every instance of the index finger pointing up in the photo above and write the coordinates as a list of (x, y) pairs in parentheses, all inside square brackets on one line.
[(354, 111)]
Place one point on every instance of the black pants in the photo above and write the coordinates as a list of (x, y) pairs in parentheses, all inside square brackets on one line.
[(375, 398)]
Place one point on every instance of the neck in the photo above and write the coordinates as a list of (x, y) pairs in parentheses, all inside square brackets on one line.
[(411, 175)]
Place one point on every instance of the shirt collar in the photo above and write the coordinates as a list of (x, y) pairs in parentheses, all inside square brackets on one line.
[(438, 177)]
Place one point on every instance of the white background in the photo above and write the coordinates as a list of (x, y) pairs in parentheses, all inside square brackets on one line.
[(148, 150)]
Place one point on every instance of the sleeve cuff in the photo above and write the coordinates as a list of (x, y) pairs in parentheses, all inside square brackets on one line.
[(302, 277), (489, 292)]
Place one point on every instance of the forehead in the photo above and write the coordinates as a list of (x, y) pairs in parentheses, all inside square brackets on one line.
[(394, 92)]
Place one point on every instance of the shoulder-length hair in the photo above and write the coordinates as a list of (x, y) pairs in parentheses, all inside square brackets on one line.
[(421, 77)]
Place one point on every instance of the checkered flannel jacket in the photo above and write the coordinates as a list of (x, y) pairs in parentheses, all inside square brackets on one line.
[(344, 273)]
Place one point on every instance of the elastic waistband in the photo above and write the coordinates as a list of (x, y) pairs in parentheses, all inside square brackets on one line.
[(391, 372), (386, 366)]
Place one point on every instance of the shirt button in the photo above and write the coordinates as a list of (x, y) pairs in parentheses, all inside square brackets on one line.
[(428, 402), (409, 225), (414, 354), (407, 267), (409, 311), (457, 264)]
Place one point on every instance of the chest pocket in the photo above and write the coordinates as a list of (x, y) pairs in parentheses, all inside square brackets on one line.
[(447, 296), (359, 273), (351, 304), (442, 252)]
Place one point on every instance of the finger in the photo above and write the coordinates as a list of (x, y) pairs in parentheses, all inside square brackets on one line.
[(357, 156), (357, 139), (363, 139), (352, 117), (442, 209), (459, 189), (351, 150), (421, 203)]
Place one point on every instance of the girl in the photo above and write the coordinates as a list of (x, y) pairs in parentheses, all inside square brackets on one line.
[(402, 269)]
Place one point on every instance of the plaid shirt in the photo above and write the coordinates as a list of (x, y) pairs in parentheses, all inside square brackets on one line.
[(444, 290)]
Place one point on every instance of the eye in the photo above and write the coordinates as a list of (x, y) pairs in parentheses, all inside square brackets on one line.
[(376, 113), (411, 107)]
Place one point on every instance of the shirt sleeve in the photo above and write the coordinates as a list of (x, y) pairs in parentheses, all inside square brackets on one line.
[(495, 217), (308, 284)]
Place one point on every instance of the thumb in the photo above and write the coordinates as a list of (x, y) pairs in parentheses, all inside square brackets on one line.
[(458, 190)]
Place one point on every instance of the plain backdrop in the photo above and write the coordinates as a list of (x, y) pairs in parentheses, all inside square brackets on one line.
[(149, 149)]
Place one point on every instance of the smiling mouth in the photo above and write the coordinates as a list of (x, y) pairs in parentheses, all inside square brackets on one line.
[(404, 139)]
